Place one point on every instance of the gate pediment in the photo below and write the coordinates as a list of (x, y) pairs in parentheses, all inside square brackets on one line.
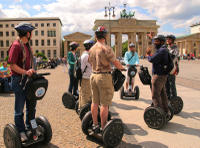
[(127, 21)]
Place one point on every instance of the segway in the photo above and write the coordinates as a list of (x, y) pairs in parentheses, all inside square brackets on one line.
[(154, 117), (71, 102), (40, 130), (133, 94), (111, 135)]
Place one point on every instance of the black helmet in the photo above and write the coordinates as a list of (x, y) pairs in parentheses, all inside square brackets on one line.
[(171, 37), (131, 45), (88, 44), (23, 28), (73, 45), (101, 32), (161, 38)]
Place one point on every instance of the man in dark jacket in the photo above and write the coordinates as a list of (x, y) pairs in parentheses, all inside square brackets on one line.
[(159, 78)]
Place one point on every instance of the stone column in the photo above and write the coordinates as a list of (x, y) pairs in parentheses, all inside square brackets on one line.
[(118, 44), (198, 49), (139, 44), (144, 43)]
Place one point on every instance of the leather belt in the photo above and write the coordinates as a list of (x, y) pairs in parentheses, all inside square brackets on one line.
[(102, 72)]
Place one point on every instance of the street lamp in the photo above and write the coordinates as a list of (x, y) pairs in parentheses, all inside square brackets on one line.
[(108, 10)]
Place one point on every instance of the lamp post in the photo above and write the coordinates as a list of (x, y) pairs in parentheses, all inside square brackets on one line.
[(108, 10)]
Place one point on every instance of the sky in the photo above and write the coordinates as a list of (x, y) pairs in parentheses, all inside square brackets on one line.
[(173, 16)]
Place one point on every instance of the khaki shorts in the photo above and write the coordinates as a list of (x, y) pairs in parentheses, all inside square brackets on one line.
[(102, 89), (85, 93)]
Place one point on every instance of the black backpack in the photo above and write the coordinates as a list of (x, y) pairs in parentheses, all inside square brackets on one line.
[(78, 71), (169, 66)]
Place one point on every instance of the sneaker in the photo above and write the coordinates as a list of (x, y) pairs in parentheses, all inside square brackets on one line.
[(95, 128), (23, 137)]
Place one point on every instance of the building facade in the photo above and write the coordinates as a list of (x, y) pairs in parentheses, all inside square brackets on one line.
[(46, 38), (75, 37), (195, 28)]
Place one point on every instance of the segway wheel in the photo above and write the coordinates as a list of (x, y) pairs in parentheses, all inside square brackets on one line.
[(77, 106), (11, 137), (154, 117), (122, 93), (87, 123), (177, 104), (68, 100), (113, 133), (171, 111), (137, 92), (44, 123), (84, 110)]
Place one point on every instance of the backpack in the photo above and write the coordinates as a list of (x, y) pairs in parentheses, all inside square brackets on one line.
[(168, 68), (78, 71)]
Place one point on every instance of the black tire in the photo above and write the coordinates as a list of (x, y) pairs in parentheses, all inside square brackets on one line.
[(87, 123), (84, 110), (155, 117), (113, 133), (137, 92), (171, 111), (177, 104), (122, 93), (43, 122), (68, 100), (11, 137), (77, 106)]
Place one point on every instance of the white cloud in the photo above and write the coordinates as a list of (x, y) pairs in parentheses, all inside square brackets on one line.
[(15, 11), (37, 7), (18, 1)]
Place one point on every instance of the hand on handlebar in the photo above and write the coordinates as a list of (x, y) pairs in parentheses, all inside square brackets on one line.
[(30, 72)]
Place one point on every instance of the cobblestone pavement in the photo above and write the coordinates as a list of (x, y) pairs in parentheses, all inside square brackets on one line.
[(66, 124)]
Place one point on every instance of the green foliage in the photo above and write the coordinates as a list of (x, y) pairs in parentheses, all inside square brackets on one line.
[(6, 59), (40, 54), (124, 47)]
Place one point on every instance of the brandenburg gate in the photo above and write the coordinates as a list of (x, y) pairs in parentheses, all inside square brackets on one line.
[(136, 30)]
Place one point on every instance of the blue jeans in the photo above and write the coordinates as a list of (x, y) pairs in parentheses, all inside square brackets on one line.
[(73, 84), (6, 85), (20, 100)]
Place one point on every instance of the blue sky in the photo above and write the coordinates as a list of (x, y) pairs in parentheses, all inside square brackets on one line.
[(174, 17)]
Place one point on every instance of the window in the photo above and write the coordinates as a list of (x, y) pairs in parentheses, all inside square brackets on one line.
[(2, 54), (36, 51), (42, 42), (1, 43), (36, 24), (36, 42), (13, 33), (54, 42), (54, 24), (36, 33), (42, 33), (7, 43), (7, 33), (31, 42), (12, 25), (49, 53), (1, 25), (51, 33), (7, 25), (1, 33), (48, 43), (54, 53), (48, 24), (43, 51)]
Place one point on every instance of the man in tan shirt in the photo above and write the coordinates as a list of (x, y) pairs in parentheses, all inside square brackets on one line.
[(100, 57)]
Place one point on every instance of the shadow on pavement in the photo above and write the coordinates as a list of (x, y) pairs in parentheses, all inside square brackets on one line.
[(50, 145), (179, 128), (186, 115), (149, 101), (7, 94), (133, 129), (125, 107), (151, 144)]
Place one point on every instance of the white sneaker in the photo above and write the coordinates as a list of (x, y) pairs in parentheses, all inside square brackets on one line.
[(23, 137)]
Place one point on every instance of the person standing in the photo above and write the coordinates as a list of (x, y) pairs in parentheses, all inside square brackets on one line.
[(100, 57), (159, 78), (72, 61), (21, 64), (85, 93)]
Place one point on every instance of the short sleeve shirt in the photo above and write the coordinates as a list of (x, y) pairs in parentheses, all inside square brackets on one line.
[(100, 57), (16, 56)]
